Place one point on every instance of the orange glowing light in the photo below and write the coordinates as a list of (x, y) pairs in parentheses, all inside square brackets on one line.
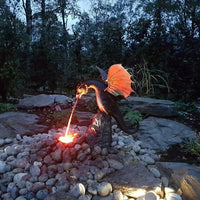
[(68, 138), (81, 91)]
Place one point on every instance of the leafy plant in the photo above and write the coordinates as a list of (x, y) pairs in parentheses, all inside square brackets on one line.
[(5, 107), (147, 81), (133, 116), (193, 147)]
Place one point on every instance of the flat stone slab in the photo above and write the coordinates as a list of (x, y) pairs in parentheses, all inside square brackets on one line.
[(133, 180), (159, 134), (150, 106), (13, 123), (44, 100)]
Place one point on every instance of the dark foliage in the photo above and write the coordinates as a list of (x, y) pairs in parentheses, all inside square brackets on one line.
[(44, 55)]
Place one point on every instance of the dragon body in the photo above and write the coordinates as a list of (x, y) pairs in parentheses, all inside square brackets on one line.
[(107, 103)]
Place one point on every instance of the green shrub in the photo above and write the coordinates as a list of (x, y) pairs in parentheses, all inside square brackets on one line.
[(133, 116), (193, 147), (5, 107)]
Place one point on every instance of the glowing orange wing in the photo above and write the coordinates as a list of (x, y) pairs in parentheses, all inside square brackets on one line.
[(119, 81)]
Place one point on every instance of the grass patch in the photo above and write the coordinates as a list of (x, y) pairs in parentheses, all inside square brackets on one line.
[(193, 148), (6, 107)]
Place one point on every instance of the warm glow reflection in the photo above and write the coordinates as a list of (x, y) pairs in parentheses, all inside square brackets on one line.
[(67, 138)]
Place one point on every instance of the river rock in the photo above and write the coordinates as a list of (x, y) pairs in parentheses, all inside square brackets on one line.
[(150, 106), (13, 123), (159, 134), (104, 189), (43, 100), (2, 167), (77, 190), (19, 179), (184, 177), (41, 194)]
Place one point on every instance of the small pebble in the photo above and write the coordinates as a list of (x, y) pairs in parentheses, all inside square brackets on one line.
[(155, 172)]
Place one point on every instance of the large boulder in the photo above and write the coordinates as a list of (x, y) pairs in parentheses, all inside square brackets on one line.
[(150, 106), (13, 123), (133, 180), (189, 169), (183, 177), (159, 134), (44, 100)]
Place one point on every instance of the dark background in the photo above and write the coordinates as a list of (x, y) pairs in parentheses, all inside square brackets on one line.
[(158, 41)]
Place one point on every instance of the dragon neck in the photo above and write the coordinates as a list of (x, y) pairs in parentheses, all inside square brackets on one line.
[(98, 98)]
